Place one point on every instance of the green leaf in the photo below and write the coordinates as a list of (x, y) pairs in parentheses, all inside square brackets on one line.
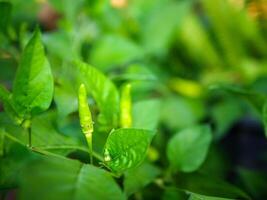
[(203, 197), (116, 50), (171, 193), (146, 114), (58, 44), (254, 98), (188, 111), (11, 164), (66, 100), (206, 185), (216, 162), (5, 11), (104, 92), (192, 26), (65, 95), (136, 72), (159, 27), (33, 86), (254, 182), (187, 149), (4, 94), (225, 113), (138, 178), (126, 148), (45, 135), (64, 179)]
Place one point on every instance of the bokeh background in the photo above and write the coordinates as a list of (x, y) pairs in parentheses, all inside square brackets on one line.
[(189, 62)]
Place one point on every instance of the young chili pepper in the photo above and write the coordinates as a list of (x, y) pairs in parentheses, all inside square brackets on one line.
[(86, 119), (126, 107)]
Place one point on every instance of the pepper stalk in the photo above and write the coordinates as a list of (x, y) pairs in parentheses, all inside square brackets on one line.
[(86, 119)]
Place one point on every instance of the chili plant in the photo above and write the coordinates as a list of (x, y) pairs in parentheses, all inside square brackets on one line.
[(133, 100)]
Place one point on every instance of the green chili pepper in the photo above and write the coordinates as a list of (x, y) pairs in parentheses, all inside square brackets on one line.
[(126, 107), (86, 119)]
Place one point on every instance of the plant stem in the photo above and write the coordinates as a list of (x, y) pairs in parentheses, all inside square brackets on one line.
[(94, 154), (90, 145), (115, 175), (41, 149), (47, 153), (27, 125), (11, 137)]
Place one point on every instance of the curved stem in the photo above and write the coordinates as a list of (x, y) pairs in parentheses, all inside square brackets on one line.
[(47, 153), (94, 154), (11, 137), (41, 148)]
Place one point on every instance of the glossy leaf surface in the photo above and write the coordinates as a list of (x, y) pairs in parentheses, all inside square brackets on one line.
[(126, 148), (33, 86)]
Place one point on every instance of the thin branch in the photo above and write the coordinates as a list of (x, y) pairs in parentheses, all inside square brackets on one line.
[(47, 153), (41, 149), (96, 155), (11, 137)]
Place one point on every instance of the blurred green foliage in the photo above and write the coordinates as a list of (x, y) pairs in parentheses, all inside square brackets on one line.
[(197, 70)]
